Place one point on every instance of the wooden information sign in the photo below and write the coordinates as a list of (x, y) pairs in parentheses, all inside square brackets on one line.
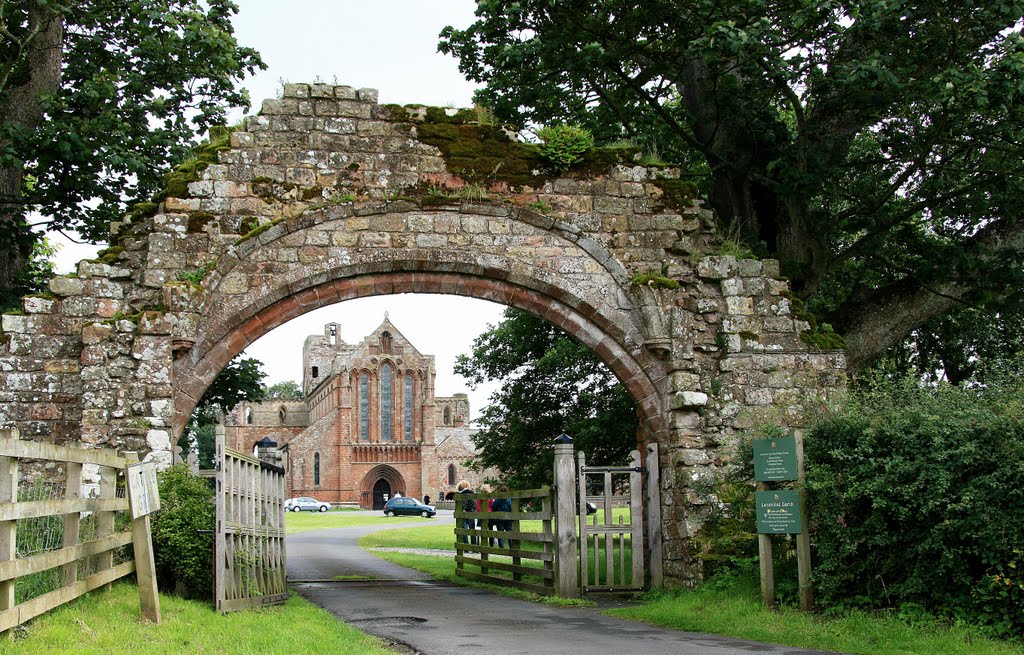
[(778, 512), (782, 511), (143, 493), (775, 459)]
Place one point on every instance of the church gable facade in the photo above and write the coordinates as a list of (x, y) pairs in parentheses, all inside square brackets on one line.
[(367, 428)]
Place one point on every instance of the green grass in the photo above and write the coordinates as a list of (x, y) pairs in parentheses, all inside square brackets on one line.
[(305, 521), (108, 623), (735, 610), (732, 609)]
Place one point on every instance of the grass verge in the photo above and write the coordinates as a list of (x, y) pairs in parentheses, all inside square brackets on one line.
[(733, 608), (108, 623), (728, 607)]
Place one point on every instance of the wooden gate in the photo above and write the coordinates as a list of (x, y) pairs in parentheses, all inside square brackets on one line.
[(612, 538), (250, 556)]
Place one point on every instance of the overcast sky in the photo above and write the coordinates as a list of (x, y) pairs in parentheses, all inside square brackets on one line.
[(389, 45)]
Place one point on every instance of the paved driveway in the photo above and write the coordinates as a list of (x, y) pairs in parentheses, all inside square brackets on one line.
[(421, 616)]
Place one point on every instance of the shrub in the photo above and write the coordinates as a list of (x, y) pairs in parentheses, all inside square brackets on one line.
[(917, 497), (183, 533), (564, 145)]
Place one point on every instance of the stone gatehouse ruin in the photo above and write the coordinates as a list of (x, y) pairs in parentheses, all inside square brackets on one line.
[(327, 195)]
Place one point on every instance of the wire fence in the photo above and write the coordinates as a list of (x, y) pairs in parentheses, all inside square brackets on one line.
[(43, 534)]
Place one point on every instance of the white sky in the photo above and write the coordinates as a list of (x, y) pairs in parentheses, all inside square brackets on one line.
[(389, 45)]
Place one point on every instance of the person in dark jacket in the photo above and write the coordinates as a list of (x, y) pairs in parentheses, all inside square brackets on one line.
[(468, 505), (502, 505)]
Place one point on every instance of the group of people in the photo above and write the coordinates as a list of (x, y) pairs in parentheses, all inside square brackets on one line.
[(498, 504)]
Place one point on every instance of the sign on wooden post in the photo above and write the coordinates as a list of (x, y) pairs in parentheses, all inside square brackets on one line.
[(143, 492), (781, 511), (144, 498)]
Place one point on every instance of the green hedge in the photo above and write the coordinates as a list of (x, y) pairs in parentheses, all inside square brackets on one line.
[(917, 500), (183, 534)]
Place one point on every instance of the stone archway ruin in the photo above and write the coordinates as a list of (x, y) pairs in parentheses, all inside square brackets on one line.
[(327, 195)]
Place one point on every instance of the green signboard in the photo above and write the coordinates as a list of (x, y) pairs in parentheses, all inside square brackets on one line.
[(778, 512), (775, 459)]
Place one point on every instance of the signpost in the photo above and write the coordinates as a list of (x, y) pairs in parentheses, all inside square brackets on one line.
[(144, 499), (781, 511)]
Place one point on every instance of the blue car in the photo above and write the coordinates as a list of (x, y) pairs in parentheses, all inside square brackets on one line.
[(409, 507)]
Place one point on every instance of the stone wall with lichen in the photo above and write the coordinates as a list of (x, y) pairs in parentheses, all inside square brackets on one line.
[(327, 195)]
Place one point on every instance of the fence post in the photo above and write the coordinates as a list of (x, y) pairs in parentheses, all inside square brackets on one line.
[(565, 514), (8, 541)]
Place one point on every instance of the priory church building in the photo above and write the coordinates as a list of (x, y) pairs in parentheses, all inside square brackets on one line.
[(369, 427)]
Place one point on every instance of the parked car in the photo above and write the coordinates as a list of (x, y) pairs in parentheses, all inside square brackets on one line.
[(305, 502), (408, 506)]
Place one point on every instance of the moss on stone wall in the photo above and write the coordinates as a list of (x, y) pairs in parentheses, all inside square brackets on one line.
[(484, 153), (655, 279), (676, 194)]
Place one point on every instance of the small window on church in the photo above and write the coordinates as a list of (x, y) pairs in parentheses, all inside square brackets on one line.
[(451, 474), (248, 416), (447, 415), (316, 469), (282, 413), (386, 343), (316, 372)]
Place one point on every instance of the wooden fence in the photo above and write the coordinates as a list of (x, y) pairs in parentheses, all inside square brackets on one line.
[(250, 553), (82, 557), (475, 546)]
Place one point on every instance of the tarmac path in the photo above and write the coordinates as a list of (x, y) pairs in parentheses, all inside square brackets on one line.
[(417, 615)]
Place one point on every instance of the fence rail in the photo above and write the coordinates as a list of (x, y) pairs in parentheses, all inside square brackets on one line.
[(527, 559), (54, 550)]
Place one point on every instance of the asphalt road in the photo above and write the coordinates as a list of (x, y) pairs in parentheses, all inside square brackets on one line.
[(420, 616)]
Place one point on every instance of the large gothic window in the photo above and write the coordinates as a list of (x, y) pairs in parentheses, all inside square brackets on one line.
[(386, 402), (316, 469), (408, 407), (364, 406)]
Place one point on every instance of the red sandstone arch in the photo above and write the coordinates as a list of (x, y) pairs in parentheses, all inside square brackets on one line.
[(640, 372), (388, 474)]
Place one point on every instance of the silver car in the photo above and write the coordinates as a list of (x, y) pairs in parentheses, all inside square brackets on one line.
[(307, 503)]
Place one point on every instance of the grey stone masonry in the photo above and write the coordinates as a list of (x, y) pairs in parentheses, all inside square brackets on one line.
[(326, 195)]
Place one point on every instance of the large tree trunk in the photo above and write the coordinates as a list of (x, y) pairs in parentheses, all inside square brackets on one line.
[(22, 107)]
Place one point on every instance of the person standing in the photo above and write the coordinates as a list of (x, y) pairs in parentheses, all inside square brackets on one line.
[(468, 505), (426, 499), (502, 504)]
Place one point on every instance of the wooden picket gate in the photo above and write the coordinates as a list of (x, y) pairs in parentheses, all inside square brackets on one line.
[(628, 541), (250, 558)]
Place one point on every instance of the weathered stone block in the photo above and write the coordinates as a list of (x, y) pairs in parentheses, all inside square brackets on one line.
[(750, 267), (66, 286), (296, 90), (739, 305), (717, 268)]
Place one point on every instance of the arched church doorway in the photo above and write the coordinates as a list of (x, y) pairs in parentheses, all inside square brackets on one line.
[(381, 493)]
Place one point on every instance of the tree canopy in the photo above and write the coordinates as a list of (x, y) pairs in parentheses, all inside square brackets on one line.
[(241, 380), (550, 385), (287, 390), (873, 147), (97, 100)]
